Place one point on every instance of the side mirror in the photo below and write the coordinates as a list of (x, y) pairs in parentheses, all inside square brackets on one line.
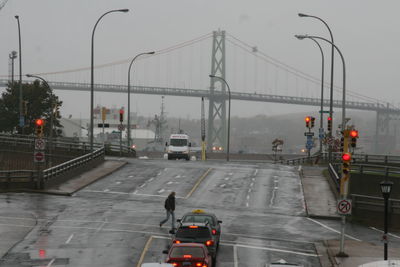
[(165, 251), (166, 143), (219, 221)]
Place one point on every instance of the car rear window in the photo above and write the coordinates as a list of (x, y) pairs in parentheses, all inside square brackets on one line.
[(178, 252), (199, 219), (186, 232)]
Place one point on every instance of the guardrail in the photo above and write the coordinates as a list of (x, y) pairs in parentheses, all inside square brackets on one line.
[(366, 158), (301, 160), (18, 176), (71, 164), (375, 203), (335, 178)]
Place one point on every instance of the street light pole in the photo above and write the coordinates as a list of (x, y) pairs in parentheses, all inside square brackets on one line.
[(229, 114), (12, 56), (53, 106), (302, 15), (322, 93), (92, 74), (386, 187), (21, 113), (129, 92)]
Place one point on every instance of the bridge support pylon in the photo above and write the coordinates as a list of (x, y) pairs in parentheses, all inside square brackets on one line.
[(216, 130)]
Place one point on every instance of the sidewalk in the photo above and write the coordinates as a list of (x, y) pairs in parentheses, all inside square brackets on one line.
[(321, 203)]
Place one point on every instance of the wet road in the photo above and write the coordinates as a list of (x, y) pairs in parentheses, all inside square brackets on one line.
[(114, 222)]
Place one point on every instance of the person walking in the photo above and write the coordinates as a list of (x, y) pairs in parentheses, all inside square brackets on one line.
[(170, 209)]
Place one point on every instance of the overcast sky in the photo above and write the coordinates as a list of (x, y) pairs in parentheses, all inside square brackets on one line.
[(56, 36)]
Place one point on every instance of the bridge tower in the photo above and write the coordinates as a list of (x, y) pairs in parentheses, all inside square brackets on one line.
[(217, 102)]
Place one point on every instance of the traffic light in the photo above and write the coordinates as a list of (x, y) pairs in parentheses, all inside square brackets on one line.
[(342, 144), (103, 113), (121, 115), (354, 136), (346, 158), (312, 122), (329, 124), (307, 119), (39, 123)]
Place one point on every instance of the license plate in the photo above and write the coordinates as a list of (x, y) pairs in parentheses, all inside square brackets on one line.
[(187, 264)]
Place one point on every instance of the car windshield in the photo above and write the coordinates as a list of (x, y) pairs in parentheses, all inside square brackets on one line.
[(195, 252), (199, 219), (186, 232), (178, 142)]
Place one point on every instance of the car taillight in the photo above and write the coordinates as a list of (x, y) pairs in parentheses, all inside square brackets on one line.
[(176, 241), (214, 232), (174, 264), (193, 226), (209, 243), (187, 256)]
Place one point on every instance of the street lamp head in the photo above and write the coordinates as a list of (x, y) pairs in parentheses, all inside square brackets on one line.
[(300, 37), (386, 187), (151, 53), (29, 75), (212, 76), (16, 16), (123, 10), (302, 15)]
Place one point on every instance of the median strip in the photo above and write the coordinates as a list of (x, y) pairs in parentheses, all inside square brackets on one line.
[(198, 182), (146, 247)]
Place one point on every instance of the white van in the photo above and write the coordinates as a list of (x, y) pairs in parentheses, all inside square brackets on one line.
[(179, 146)]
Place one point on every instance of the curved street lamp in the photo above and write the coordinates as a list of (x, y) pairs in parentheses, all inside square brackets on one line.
[(51, 115), (386, 188), (322, 91), (229, 114), (302, 15), (129, 92), (301, 37), (92, 73)]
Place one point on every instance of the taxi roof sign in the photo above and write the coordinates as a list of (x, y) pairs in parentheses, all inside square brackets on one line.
[(198, 211)]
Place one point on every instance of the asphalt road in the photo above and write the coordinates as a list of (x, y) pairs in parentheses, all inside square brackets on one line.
[(115, 221)]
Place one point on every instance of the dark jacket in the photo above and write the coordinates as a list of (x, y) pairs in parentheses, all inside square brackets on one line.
[(170, 203)]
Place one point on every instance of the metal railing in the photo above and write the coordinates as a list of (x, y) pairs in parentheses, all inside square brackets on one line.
[(366, 158), (20, 176), (335, 178), (374, 203), (72, 164), (301, 159)]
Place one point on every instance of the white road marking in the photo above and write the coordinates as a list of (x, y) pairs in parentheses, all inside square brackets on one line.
[(130, 176), (255, 172), (373, 228), (124, 193), (178, 176), (251, 185), (271, 249), (226, 178), (101, 226), (170, 182), (249, 190), (50, 263), (151, 179), (333, 230), (271, 201), (235, 257), (106, 190), (161, 190), (118, 182), (247, 204), (69, 239), (142, 185), (158, 173), (222, 185), (231, 173), (253, 179), (135, 192), (275, 188), (248, 197)]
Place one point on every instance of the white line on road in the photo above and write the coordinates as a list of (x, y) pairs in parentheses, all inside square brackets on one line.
[(235, 257), (226, 178), (69, 239), (158, 173), (271, 201), (161, 190), (255, 172), (118, 182), (130, 176), (124, 193), (271, 249), (222, 185), (251, 185), (178, 176), (170, 182), (333, 230), (50, 263), (253, 179), (151, 179), (248, 197), (142, 185), (135, 192), (249, 190), (373, 228), (231, 173), (106, 190)]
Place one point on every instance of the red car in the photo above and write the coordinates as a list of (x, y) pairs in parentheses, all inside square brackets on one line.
[(189, 255)]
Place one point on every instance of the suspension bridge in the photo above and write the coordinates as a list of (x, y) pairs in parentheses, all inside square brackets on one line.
[(264, 79)]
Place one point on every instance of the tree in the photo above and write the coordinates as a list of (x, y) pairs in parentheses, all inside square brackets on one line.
[(38, 102)]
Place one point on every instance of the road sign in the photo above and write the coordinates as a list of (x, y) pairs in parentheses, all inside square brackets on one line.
[(308, 134), (324, 111), (344, 207), (121, 127), (38, 156), (40, 144), (106, 125)]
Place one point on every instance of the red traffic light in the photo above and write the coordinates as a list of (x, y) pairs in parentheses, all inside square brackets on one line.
[(329, 118), (354, 133), (346, 157), (39, 122), (121, 111), (307, 119)]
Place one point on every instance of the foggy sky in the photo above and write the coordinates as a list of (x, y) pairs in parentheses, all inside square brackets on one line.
[(56, 36)]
